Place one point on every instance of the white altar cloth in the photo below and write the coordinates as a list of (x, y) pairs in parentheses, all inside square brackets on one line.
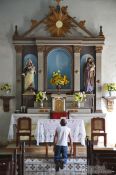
[(45, 130)]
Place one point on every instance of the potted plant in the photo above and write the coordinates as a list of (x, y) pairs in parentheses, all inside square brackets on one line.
[(5, 88), (109, 87), (40, 97)]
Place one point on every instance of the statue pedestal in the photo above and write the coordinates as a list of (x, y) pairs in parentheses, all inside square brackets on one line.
[(6, 100)]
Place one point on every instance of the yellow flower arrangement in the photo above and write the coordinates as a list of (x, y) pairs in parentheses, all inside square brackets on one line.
[(79, 96), (59, 79), (109, 87)]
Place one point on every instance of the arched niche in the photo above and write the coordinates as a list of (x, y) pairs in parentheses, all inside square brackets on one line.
[(59, 59)]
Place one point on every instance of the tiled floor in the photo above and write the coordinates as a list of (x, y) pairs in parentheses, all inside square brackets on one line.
[(47, 167), (37, 164)]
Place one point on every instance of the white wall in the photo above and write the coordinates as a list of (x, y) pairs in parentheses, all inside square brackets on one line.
[(20, 12)]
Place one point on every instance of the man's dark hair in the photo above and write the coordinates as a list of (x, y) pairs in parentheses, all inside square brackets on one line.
[(63, 122)]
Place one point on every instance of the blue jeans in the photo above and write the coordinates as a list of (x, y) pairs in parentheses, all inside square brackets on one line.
[(61, 153)]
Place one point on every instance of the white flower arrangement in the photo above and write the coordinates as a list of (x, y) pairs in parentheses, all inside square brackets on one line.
[(109, 87), (79, 96), (40, 96), (5, 87)]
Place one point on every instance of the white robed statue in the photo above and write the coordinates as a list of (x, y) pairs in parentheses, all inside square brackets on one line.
[(29, 74)]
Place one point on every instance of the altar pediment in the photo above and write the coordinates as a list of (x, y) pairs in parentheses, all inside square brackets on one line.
[(58, 23)]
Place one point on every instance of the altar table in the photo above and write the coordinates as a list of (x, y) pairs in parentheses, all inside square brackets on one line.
[(45, 131)]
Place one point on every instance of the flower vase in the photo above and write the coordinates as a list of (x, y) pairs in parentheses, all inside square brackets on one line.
[(78, 104), (110, 94), (41, 104), (58, 87), (5, 93)]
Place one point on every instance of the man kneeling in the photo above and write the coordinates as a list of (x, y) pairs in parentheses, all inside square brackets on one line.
[(61, 144)]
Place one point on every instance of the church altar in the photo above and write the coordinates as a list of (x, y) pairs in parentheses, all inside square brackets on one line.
[(42, 116)]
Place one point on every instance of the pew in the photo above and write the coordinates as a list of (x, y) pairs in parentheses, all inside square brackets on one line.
[(8, 164), (103, 157)]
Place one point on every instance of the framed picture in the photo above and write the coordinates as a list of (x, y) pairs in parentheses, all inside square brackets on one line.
[(59, 61)]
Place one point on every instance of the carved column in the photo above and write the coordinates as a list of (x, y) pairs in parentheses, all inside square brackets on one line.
[(98, 77), (77, 50), (18, 75), (40, 68)]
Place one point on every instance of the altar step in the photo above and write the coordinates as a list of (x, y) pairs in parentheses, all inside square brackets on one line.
[(41, 150)]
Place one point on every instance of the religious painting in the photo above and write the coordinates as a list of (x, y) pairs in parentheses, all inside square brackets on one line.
[(59, 70), (29, 72)]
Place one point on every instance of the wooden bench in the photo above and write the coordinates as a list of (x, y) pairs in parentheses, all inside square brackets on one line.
[(101, 157)]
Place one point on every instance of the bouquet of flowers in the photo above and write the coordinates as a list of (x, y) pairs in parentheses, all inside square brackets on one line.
[(110, 87), (40, 96), (79, 96), (5, 87), (59, 79)]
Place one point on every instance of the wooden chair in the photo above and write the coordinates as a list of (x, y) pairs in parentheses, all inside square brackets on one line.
[(23, 129), (98, 129)]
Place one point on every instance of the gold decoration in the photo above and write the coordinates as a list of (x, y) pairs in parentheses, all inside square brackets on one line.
[(34, 22), (40, 48), (58, 22), (82, 23), (77, 49), (99, 49)]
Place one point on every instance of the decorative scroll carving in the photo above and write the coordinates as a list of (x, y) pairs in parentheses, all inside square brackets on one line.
[(99, 49), (34, 22), (40, 48), (77, 49), (18, 48), (82, 23)]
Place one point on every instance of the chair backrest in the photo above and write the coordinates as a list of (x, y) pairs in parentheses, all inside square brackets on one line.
[(24, 123), (97, 124)]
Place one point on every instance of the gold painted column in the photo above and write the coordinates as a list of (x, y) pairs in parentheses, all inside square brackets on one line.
[(98, 77), (40, 68), (18, 75), (77, 50)]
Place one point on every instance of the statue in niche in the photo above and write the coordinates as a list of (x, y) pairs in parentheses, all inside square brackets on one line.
[(29, 77), (89, 75)]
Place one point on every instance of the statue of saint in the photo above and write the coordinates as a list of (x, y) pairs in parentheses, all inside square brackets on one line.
[(89, 75), (29, 74)]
